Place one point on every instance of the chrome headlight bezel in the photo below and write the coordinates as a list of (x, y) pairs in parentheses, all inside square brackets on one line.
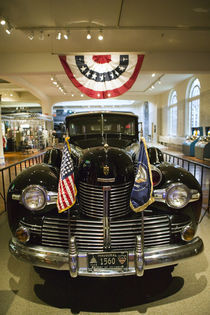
[(43, 192), (173, 187), (161, 195)]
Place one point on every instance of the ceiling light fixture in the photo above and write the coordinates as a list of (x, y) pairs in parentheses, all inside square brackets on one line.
[(8, 29), (41, 35), (59, 35), (2, 21), (31, 35), (153, 75), (88, 35), (56, 83), (66, 35), (100, 36)]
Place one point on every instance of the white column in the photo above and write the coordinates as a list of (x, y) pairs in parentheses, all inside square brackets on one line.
[(2, 160), (47, 110)]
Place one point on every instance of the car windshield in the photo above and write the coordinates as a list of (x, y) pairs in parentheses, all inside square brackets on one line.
[(102, 124)]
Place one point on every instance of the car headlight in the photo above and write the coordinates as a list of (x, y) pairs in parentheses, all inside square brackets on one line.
[(34, 197), (178, 196)]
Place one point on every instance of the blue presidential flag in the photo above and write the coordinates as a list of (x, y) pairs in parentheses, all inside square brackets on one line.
[(142, 192)]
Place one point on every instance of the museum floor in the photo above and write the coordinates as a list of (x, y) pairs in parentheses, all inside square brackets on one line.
[(24, 290)]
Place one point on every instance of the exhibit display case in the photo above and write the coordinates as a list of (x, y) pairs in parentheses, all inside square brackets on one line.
[(202, 147), (26, 131), (188, 147)]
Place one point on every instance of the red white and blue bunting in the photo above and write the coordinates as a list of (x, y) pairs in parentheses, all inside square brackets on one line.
[(102, 76)]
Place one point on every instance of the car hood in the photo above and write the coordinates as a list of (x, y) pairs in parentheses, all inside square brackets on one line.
[(105, 164)]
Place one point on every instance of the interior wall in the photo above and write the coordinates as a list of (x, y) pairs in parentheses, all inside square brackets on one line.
[(182, 115)]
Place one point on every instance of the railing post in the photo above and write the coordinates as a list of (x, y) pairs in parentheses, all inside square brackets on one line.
[(9, 175), (202, 176), (4, 191)]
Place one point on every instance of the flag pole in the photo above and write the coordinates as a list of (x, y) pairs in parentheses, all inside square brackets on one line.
[(73, 255), (141, 129)]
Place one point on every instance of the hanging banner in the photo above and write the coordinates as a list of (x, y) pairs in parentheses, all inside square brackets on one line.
[(102, 76)]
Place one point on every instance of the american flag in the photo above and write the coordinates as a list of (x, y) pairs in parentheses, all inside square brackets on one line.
[(66, 188)]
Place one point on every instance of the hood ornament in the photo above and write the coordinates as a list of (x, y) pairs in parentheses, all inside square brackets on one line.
[(106, 146)]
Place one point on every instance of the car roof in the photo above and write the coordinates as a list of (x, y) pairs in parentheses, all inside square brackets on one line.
[(91, 113)]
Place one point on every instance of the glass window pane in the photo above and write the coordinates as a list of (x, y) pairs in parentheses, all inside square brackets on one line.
[(194, 105), (172, 113)]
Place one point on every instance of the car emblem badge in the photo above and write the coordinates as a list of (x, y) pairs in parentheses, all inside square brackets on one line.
[(106, 170), (122, 259)]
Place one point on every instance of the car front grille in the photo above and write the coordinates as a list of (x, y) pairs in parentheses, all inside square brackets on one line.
[(91, 200), (89, 233)]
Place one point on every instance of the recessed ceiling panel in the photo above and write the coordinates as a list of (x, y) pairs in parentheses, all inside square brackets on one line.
[(165, 13)]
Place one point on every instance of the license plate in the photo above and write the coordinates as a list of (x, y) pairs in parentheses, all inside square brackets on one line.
[(117, 260)]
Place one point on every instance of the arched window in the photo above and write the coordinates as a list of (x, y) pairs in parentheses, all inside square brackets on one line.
[(194, 104), (172, 111)]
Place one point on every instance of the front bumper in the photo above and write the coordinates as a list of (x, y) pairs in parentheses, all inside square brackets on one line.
[(76, 263)]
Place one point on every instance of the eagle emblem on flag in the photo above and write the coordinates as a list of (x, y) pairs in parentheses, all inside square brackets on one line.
[(142, 192), (66, 188), (102, 76)]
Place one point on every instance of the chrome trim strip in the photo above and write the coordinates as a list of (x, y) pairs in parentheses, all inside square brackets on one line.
[(16, 197), (106, 224), (51, 197), (154, 257), (105, 180)]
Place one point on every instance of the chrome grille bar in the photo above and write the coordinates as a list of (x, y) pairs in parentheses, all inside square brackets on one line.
[(32, 227), (92, 197), (89, 233)]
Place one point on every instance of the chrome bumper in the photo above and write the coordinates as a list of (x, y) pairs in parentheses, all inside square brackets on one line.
[(77, 263)]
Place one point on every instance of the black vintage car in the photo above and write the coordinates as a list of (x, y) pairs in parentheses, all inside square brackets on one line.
[(100, 235)]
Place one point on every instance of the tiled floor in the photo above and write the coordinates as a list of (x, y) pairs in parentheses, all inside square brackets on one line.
[(24, 291)]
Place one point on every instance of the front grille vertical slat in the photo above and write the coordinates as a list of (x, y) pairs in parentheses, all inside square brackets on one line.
[(89, 232), (91, 200)]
